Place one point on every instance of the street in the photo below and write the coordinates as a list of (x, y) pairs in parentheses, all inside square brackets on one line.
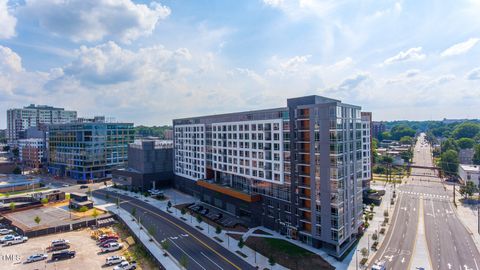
[(449, 244), (201, 251)]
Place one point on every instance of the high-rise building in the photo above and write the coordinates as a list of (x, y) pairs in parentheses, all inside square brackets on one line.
[(31, 152), (367, 156), (378, 128), (297, 170), (88, 150), (18, 120)]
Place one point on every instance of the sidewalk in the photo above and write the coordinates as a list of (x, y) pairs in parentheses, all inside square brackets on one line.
[(468, 215), (153, 246), (350, 260)]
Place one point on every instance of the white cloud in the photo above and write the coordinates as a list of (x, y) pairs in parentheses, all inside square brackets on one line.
[(273, 3), (461, 48), (474, 74), (412, 54), (95, 20), (7, 21), (9, 61)]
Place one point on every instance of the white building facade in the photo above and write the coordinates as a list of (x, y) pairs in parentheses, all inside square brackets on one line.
[(469, 172)]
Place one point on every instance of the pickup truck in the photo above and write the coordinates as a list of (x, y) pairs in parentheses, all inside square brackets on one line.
[(112, 247), (6, 238), (126, 266), (16, 240)]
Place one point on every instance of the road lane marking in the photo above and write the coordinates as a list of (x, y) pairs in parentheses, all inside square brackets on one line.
[(188, 255), (211, 260), (186, 231)]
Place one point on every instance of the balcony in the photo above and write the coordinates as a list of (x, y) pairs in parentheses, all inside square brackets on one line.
[(229, 191)]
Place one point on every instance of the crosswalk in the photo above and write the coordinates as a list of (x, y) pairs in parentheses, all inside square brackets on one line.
[(425, 195)]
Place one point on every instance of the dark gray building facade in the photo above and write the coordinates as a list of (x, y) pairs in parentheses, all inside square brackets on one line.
[(150, 165)]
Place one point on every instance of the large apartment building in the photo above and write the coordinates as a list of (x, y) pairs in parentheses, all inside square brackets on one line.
[(367, 155), (31, 152), (19, 120), (297, 170), (88, 150)]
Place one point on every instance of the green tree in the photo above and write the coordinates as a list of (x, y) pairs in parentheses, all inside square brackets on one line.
[(13, 206), (183, 211), (199, 219), (151, 231), (364, 252), (466, 130), (83, 209), (384, 136), (406, 140), (44, 200), (449, 144), (184, 261), (465, 143), (16, 152), (271, 261), (165, 244), (17, 170), (218, 230), (449, 162), (476, 155), (169, 204), (402, 130), (468, 189), (95, 213), (407, 155), (134, 212), (37, 220), (241, 243)]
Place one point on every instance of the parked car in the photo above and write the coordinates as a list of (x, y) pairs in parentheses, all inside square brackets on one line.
[(104, 237), (108, 243), (58, 246), (5, 231), (6, 238), (36, 258), (83, 186), (114, 260), (112, 247), (16, 240), (60, 241), (126, 265), (65, 185), (109, 240), (61, 255)]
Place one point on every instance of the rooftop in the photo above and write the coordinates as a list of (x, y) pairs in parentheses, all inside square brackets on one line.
[(9, 180), (470, 168)]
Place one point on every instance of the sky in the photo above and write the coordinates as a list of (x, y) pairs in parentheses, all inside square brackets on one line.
[(149, 62)]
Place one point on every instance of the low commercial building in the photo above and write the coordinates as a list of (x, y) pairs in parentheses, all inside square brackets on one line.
[(88, 150), (78, 200), (150, 165), (468, 172)]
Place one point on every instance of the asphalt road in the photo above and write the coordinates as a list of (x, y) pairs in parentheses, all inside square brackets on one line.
[(450, 246), (397, 248), (184, 241)]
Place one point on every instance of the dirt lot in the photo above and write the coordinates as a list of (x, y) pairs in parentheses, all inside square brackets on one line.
[(88, 254)]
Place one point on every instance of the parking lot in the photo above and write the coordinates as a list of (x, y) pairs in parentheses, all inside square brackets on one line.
[(88, 254)]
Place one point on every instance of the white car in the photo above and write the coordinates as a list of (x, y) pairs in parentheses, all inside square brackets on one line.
[(36, 257), (126, 266), (114, 260), (16, 240), (112, 247), (6, 238), (60, 241), (5, 231)]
